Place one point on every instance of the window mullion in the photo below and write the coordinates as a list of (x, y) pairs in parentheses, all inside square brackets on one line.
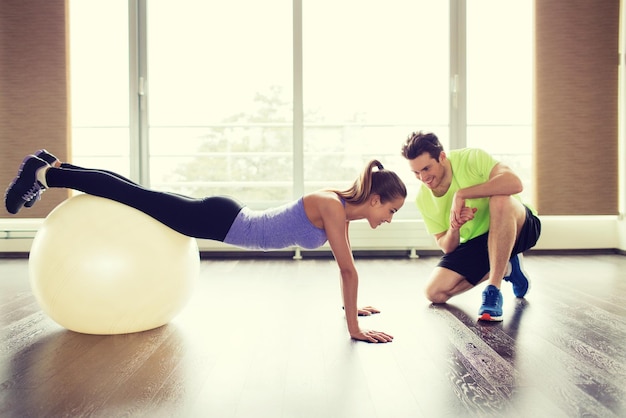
[(139, 155), (458, 74), (298, 105)]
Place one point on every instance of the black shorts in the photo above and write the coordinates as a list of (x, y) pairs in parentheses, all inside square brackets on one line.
[(471, 259)]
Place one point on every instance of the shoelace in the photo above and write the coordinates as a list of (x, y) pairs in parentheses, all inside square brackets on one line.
[(490, 298), (32, 192)]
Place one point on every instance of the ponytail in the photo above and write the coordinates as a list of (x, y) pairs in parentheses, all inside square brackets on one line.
[(384, 183)]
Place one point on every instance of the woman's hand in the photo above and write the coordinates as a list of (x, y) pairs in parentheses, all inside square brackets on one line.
[(365, 311), (371, 336), (368, 310)]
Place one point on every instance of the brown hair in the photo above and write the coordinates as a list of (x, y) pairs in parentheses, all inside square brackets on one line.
[(384, 183), (420, 142)]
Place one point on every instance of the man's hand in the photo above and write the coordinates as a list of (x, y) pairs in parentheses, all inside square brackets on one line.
[(466, 214), (459, 213)]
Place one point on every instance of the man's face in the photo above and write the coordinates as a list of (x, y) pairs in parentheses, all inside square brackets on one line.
[(428, 170)]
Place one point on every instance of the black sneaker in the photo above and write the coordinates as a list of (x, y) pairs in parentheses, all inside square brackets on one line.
[(50, 159), (46, 156), (25, 186)]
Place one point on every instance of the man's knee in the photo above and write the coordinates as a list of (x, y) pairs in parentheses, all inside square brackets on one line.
[(436, 295), (505, 208), (500, 203)]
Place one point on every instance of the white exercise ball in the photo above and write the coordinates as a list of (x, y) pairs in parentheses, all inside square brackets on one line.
[(100, 267)]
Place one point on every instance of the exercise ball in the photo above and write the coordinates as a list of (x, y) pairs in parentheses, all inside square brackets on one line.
[(97, 266)]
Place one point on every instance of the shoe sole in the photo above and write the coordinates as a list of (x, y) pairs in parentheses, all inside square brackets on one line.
[(488, 317), (50, 159)]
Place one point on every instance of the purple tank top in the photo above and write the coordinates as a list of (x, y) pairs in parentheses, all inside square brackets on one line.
[(272, 229)]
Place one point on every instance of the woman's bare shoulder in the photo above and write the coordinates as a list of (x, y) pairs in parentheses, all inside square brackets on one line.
[(322, 205), (324, 198)]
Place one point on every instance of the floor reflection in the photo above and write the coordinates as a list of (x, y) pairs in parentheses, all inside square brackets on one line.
[(67, 373)]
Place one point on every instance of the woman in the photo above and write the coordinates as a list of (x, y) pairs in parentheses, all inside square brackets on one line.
[(308, 222)]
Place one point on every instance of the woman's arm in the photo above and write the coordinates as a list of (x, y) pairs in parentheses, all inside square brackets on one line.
[(336, 227)]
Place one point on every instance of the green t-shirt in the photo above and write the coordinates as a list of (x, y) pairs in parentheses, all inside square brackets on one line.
[(470, 166)]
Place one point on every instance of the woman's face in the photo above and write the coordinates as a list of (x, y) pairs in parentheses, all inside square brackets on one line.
[(380, 213)]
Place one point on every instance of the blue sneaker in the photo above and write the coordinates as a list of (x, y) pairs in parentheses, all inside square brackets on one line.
[(50, 159), (25, 186), (491, 309), (517, 276)]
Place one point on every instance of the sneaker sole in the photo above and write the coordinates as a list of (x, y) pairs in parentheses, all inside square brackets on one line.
[(488, 317), (50, 159)]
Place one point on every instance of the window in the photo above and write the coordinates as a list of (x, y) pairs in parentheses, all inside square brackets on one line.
[(220, 98), (99, 84), (500, 84), (371, 77), (224, 84)]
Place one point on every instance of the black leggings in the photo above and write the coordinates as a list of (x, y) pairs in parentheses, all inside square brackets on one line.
[(207, 218)]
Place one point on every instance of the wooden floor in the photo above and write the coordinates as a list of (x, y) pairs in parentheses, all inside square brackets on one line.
[(266, 338)]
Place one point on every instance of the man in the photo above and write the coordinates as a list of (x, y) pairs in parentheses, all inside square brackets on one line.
[(470, 203)]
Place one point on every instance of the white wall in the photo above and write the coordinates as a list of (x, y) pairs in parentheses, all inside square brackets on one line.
[(558, 233), (622, 234)]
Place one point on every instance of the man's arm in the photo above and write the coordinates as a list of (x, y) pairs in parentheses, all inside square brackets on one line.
[(450, 239), (502, 181)]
